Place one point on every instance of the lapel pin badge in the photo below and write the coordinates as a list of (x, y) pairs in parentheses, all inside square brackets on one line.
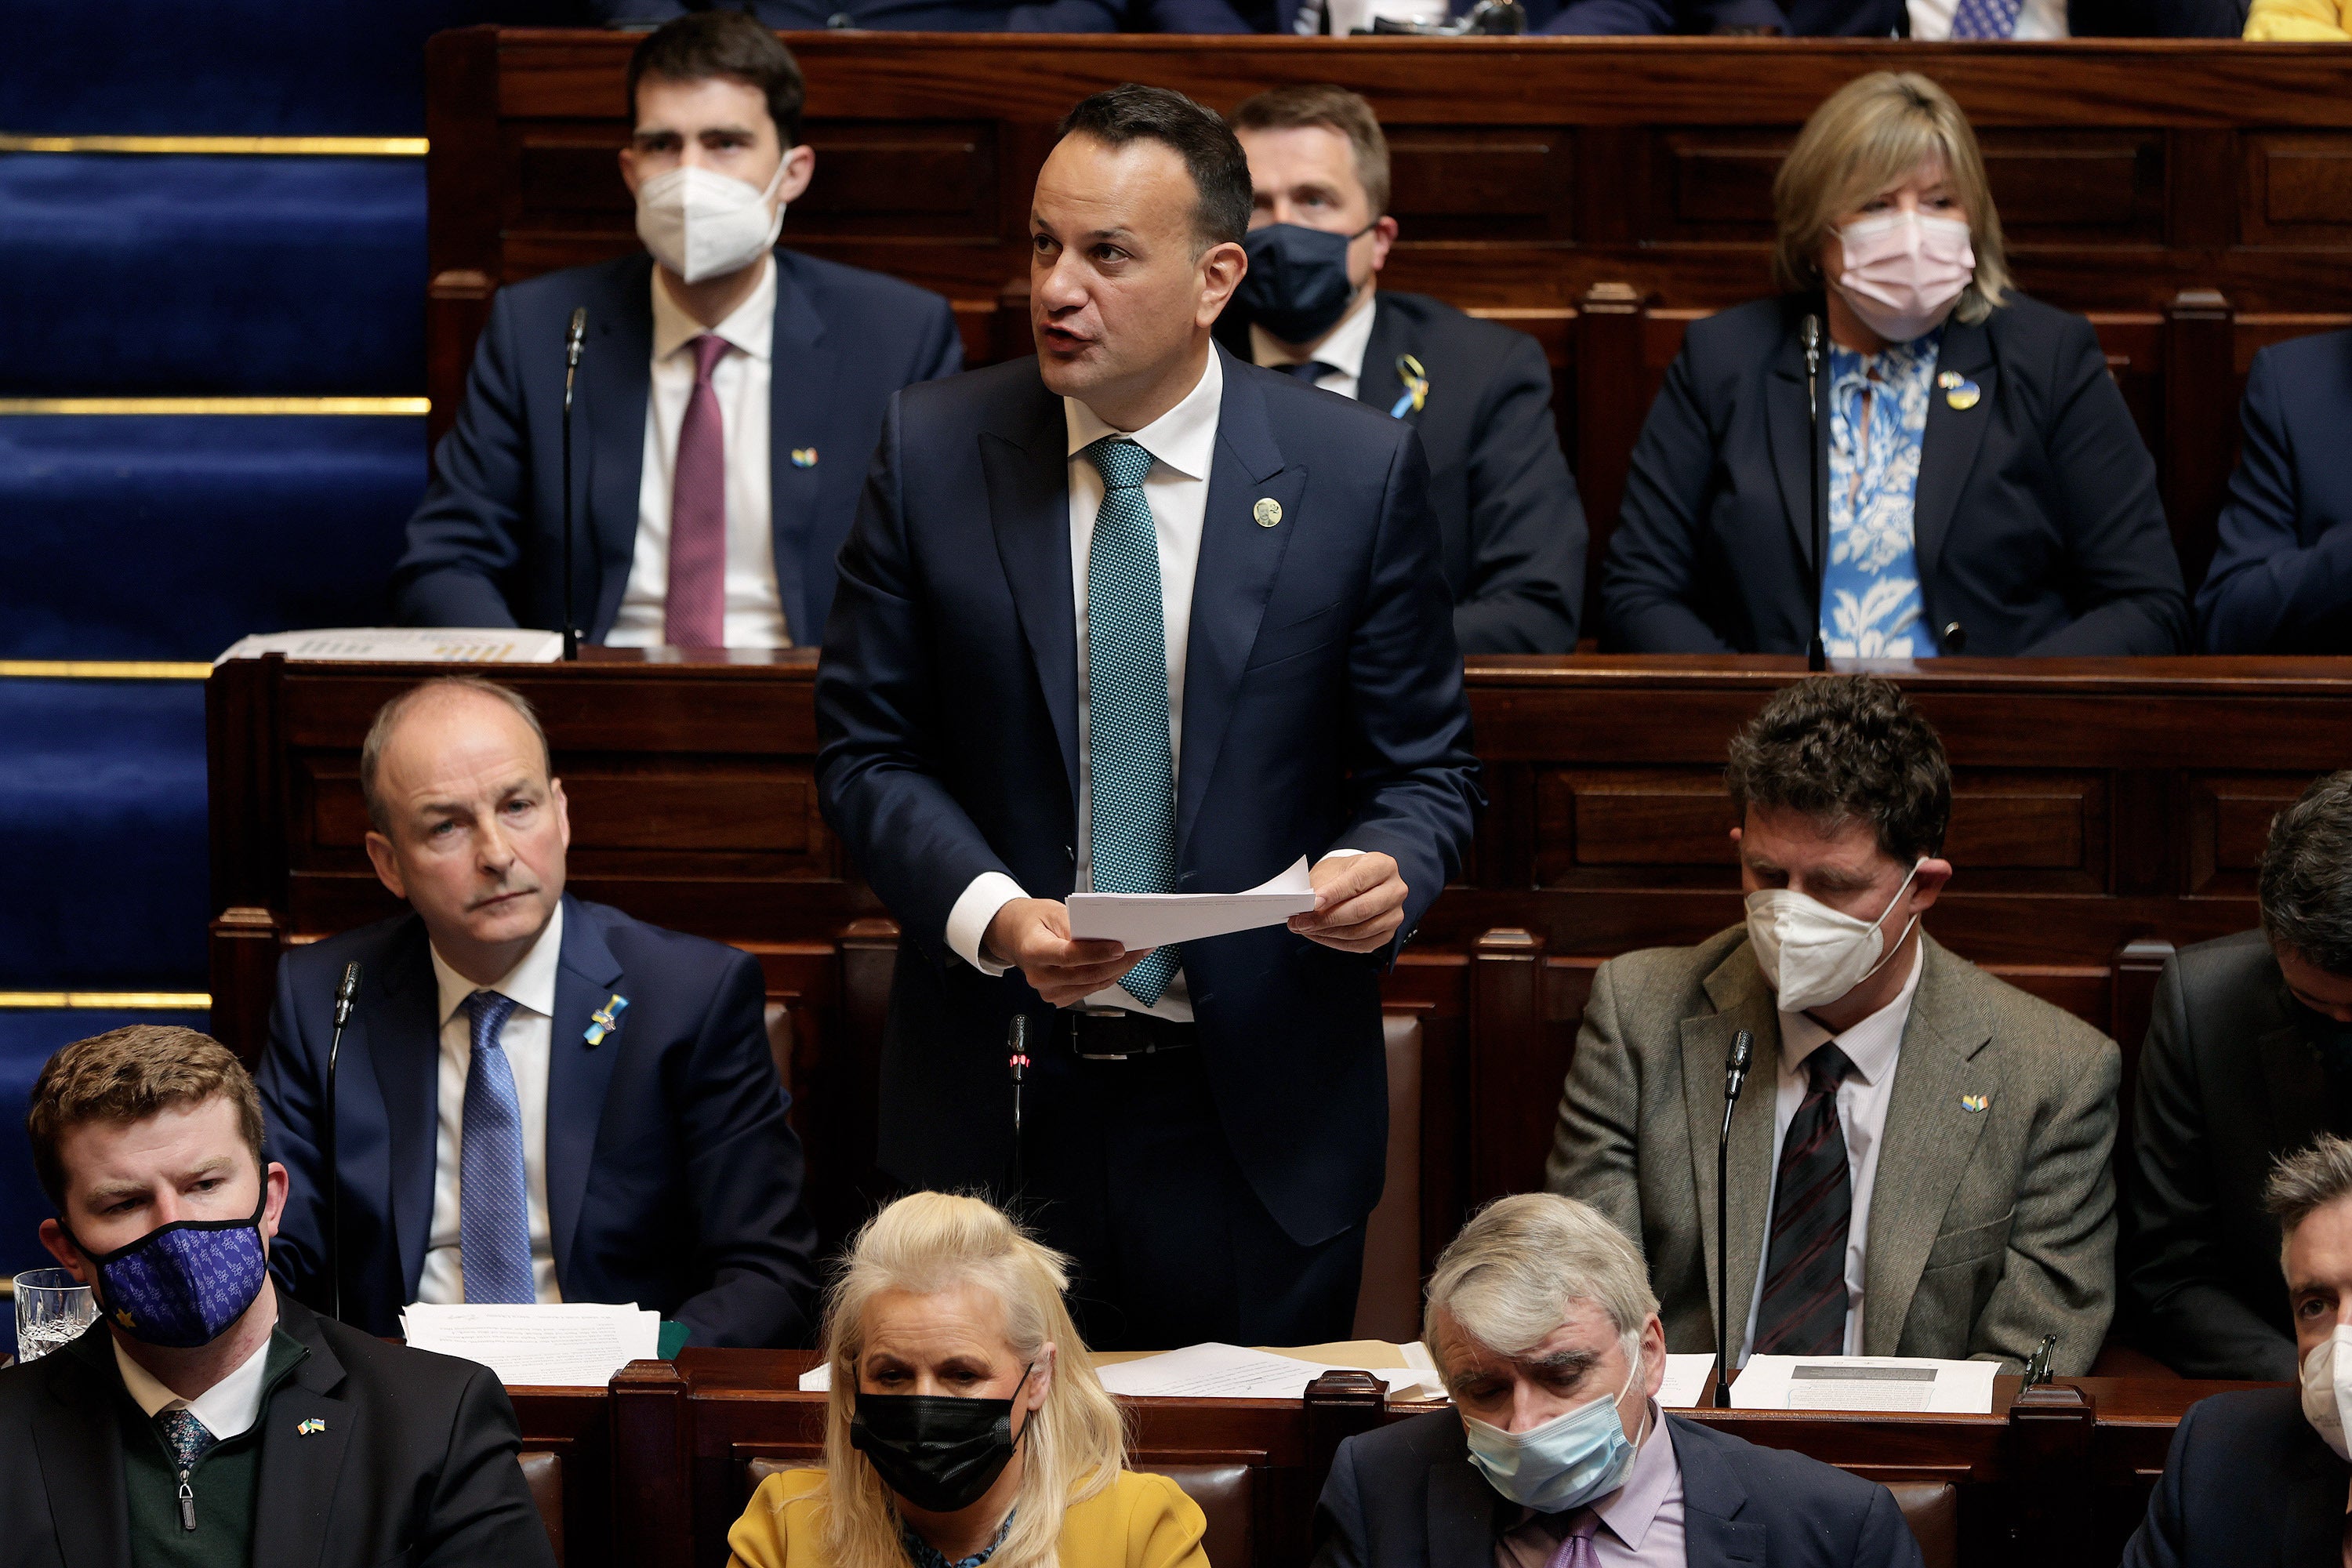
[(1416, 386), (605, 1019), (310, 1429), (804, 457), (1975, 1101), (1268, 512), (1958, 391)]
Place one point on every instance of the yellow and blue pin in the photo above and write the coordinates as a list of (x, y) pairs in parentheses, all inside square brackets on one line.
[(1975, 1102), (804, 457), (1416, 386), (310, 1429), (605, 1019), (1959, 392)]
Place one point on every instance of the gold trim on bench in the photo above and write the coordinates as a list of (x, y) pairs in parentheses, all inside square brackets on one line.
[(279, 146), (111, 1001), (102, 670), (410, 406)]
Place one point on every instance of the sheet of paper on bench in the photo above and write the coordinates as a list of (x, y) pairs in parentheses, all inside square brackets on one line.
[(576, 1345), (1865, 1382), (1155, 919), (1233, 1371), (1685, 1379), (406, 645)]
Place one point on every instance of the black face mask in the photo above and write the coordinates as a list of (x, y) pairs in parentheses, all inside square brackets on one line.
[(1296, 286), (939, 1453)]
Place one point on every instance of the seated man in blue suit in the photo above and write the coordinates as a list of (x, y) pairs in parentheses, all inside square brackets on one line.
[(1136, 617), (2260, 1477), (538, 1099), (727, 397), (2281, 580), (1540, 1317)]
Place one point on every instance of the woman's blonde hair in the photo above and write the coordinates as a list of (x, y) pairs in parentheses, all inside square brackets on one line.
[(1868, 136), (1072, 1448)]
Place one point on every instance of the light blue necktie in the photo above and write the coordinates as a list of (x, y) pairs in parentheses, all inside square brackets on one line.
[(493, 1211), (1985, 18), (1131, 768)]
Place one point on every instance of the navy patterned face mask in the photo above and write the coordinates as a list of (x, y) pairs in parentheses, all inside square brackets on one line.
[(182, 1285)]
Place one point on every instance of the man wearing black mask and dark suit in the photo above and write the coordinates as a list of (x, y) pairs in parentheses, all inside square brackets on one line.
[(2248, 1055), (1511, 527)]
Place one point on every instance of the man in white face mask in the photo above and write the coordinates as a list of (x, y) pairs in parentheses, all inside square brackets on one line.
[(727, 393), (1550, 1342), (2262, 1476), (1918, 1165)]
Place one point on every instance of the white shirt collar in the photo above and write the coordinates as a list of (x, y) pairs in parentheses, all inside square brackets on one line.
[(1871, 1044), (228, 1408), (1185, 438), (751, 327), (1342, 347), (530, 984)]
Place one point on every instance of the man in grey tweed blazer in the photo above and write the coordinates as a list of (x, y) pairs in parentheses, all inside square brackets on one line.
[(1919, 1162)]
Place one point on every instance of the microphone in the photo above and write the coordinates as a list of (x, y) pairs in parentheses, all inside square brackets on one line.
[(1735, 1078), (575, 338), (1016, 1045), (346, 1003), (1809, 331)]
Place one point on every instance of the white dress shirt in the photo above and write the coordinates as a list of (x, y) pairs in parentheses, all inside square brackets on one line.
[(228, 1408), (525, 1040), (1342, 348), (1181, 442), (1931, 20), (1874, 1047), (755, 606)]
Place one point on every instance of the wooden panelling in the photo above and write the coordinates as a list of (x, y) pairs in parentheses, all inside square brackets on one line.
[(2298, 188), (2228, 821), (1480, 182)]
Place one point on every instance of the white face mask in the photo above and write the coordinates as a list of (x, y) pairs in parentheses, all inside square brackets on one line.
[(1810, 953), (703, 225), (1904, 271), (2328, 1389)]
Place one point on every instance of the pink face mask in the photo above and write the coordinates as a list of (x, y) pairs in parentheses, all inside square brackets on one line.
[(1904, 271)]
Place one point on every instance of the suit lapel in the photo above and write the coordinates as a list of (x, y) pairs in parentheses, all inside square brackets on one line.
[(2296, 1086), (1949, 450), (1378, 385), (577, 1072), (803, 373), (1713, 1498), (1937, 1136), (609, 401), (1791, 429), (2311, 1526), (1027, 472), (1461, 1515), (1238, 562), (1742, 1002), (294, 1502), (401, 1031), (78, 1443)]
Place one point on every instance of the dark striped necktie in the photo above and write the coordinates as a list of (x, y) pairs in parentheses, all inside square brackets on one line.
[(1802, 1309), (1309, 371)]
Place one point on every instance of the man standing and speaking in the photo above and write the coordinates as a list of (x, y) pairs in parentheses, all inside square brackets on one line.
[(1136, 617)]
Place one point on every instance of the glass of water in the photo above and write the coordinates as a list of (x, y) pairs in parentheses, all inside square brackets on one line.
[(52, 1309)]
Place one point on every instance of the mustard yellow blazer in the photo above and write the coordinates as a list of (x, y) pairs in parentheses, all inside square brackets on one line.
[(2299, 21), (1140, 1520)]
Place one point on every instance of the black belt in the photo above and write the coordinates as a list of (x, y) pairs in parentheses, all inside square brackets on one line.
[(1113, 1034)]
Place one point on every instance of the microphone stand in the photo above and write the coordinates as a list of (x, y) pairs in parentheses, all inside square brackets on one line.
[(1735, 1077), (1809, 330), (575, 339), (346, 996), (1016, 1045)]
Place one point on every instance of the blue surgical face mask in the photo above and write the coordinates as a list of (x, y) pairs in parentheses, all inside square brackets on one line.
[(182, 1285), (1563, 1464), (1298, 286)]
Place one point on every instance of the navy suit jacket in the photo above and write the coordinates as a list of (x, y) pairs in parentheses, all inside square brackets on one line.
[(1323, 707), (2037, 521), (673, 1179), (485, 545), (2281, 580), (1510, 525), (1407, 1496), (902, 15), (2248, 1485)]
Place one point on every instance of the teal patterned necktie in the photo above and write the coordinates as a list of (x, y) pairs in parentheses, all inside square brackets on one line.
[(1131, 767)]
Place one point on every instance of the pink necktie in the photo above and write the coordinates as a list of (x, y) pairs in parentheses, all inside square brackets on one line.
[(695, 613), (1576, 1548)]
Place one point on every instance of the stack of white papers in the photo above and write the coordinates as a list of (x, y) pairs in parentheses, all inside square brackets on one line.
[(1865, 1382), (406, 645), (1154, 919), (1685, 1379), (570, 1346), (1233, 1371)]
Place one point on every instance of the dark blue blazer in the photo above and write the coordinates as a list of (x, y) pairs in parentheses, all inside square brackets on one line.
[(900, 15), (2038, 526), (2281, 580), (1323, 709), (672, 1178), (485, 545), (2248, 1485), (1407, 1496)]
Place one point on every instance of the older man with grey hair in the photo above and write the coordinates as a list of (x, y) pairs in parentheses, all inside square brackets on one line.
[(1542, 1321), (2262, 1476)]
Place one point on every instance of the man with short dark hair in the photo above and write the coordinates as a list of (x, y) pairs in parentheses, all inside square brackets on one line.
[(204, 1419), (726, 399), (2249, 1055), (1511, 527), (1919, 1165), (1136, 617), (2253, 1481), (538, 1099)]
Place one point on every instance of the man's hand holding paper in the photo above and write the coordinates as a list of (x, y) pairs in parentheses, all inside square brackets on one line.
[(1032, 935), (1358, 903)]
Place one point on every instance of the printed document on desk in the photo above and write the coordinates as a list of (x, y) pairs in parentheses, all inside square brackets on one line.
[(405, 645), (576, 1345), (1865, 1382), (1685, 1379), (1155, 919)]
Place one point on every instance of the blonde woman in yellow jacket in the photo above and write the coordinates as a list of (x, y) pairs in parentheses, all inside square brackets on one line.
[(2300, 21), (966, 1425)]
